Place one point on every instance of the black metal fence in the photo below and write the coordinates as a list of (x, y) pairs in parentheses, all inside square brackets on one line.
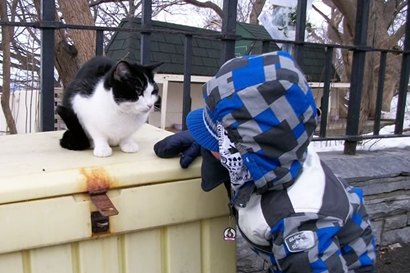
[(48, 25)]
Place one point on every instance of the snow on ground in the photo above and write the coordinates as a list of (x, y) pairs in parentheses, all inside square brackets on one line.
[(375, 144)]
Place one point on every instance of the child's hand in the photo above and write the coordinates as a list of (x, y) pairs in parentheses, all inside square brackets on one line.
[(180, 144)]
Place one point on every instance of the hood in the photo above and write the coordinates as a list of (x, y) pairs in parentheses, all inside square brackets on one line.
[(266, 106)]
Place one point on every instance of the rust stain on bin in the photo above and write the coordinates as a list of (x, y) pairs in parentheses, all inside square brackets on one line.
[(98, 183), (97, 180)]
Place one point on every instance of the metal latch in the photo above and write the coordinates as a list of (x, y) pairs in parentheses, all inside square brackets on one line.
[(98, 182), (100, 221), (103, 203)]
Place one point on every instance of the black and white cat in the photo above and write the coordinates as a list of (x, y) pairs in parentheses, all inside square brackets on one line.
[(105, 105)]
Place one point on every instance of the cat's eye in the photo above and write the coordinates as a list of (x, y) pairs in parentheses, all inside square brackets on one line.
[(139, 91)]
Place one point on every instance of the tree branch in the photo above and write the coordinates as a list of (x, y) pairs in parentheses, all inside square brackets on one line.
[(97, 2), (394, 12), (329, 22), (256, 10), (348, 9), (327, 19), (5, 96), (393, 39), (207, 4)]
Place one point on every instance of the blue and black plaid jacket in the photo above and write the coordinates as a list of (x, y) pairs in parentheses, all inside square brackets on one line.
[(300, 217), (319, 224)]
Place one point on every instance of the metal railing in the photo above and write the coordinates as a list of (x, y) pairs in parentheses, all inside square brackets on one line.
[(228, 37)]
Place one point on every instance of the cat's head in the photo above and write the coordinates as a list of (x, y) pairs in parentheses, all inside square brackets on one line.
[(133, 86)]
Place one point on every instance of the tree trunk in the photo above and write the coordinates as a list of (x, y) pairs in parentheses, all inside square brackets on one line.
[(66, 62), (379, 39), (391, 79), (72, 47), (83, 41), (381, 15), (5, 96), (256, 11)]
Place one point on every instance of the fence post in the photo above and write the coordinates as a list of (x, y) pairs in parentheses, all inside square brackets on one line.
[(380, 88), (48, 11), (99, 43), (300, 30), (404, 78), (228, 30), (186, 100), (356, 80), (146, 24), (326, 91), (265, 46)]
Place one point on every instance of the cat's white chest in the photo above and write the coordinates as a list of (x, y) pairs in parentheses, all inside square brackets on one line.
[(103, 118)]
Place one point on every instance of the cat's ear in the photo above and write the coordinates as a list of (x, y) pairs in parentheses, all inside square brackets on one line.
[(153, 67), (122, 70)]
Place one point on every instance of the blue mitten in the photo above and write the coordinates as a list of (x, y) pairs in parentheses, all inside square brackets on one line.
[(180, 144)]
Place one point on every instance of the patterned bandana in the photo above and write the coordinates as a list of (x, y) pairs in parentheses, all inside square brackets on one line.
[(231, 159), (242, 185)]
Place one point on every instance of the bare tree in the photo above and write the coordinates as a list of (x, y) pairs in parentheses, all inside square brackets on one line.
[(247, 11), (5, 96), (385, 30), (73, 47), (255, 10)]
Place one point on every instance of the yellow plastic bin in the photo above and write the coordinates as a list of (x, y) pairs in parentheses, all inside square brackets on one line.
[(58, 211)]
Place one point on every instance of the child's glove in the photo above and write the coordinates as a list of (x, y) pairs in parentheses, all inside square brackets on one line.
[(180, 144)]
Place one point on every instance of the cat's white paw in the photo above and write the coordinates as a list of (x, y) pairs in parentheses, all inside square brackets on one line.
[(129, 147), (102, 151)]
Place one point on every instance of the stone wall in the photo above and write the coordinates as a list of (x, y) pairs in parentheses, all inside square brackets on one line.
[(384, 177), (388, 204)]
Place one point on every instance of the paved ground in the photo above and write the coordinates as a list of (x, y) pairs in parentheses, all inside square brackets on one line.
[(396, 260)]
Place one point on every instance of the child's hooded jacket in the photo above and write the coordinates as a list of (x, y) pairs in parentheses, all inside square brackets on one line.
[(297, 213)]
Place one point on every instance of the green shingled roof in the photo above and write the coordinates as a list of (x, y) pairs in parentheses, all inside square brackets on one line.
[(168, 46), (251, 31)]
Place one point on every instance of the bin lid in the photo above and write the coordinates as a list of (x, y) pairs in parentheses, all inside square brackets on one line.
[(34, 166)]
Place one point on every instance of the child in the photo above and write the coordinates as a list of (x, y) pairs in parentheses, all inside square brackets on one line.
[(259, 118)]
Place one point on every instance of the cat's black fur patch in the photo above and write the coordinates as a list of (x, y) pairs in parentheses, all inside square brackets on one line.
[(74, 138)]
